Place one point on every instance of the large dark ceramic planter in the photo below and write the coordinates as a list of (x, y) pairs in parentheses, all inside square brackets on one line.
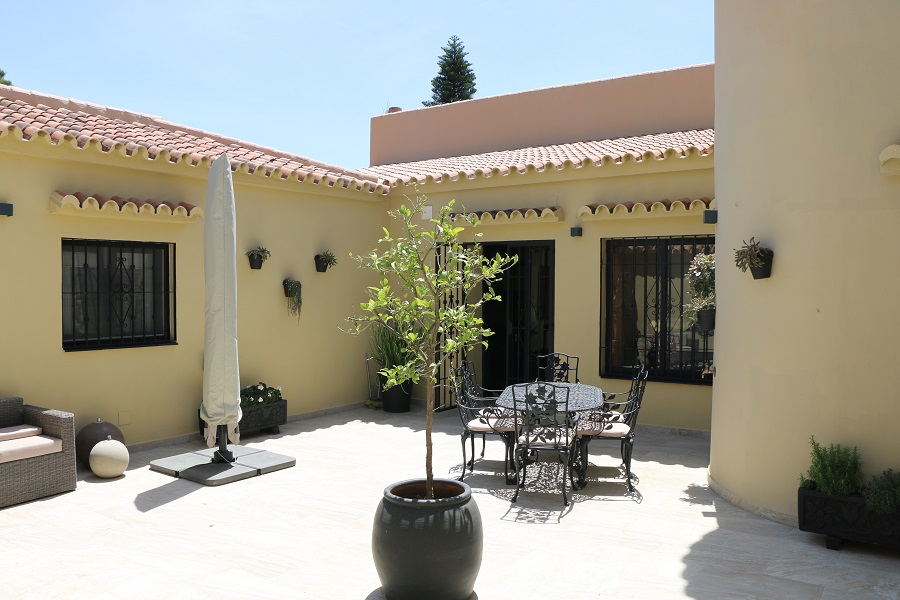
[(396, 399), (427, 548), (765, 271), (261, 416), (845, 518), (706, 319)]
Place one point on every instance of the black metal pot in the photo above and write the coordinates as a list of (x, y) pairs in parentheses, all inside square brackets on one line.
[(706, 319), (427, 548), (396, 399), (321, 265)]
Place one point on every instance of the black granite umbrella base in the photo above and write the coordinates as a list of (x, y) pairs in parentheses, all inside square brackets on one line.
[(199, 466)]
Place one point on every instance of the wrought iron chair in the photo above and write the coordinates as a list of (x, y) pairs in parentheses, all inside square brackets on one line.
[(543, 423), (616, 420), (558, 366), (480, 415)]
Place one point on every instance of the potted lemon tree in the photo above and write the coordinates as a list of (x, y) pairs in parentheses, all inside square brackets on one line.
[(427, 538)]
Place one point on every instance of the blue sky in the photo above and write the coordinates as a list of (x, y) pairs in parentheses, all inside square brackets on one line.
[(306, 77)]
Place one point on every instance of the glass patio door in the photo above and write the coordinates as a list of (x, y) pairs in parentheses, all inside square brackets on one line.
[(522, 321)]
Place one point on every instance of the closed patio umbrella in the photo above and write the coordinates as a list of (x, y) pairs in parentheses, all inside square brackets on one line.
[(221, 406)]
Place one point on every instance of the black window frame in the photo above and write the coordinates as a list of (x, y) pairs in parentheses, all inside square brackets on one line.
[(671, 351), (117, 294)]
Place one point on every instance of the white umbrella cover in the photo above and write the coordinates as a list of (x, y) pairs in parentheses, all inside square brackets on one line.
[(221, 377)]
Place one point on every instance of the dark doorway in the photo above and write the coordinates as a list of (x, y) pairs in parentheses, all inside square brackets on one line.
[(523, 321)]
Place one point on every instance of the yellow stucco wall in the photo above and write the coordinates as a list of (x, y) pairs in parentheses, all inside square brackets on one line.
[(156, 390), (577, 319), (806, 99)]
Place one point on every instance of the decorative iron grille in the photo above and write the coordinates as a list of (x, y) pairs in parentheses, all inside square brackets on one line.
[(117, 294), (643, 314)]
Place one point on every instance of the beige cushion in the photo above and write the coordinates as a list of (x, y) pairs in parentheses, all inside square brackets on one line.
[(490, 425), (611, 429), (28, 447), (19, 431)]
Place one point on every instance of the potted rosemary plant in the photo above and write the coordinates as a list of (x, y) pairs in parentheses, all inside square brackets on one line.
[(427, 538), (833, 501)]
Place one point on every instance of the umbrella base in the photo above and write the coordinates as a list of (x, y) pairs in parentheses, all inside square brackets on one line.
[(200, 468)]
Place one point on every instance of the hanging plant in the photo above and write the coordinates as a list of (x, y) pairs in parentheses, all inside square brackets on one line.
[(325, 260), (752, 255), (293, 291), (258, 256)]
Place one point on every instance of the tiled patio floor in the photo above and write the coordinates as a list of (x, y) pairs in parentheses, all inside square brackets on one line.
[(305, 532)]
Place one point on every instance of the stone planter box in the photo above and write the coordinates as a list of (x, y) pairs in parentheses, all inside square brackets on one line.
[(845, 518), (262, 416)]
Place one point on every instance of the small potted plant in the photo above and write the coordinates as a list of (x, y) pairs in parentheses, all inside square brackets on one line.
[(258, 256), (701, 308), (293, 291), (390, 352), (752, 255), (325, 260), (262, 407)]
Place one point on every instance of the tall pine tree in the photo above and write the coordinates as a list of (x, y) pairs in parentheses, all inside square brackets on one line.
[(3, 78), (455, 80)]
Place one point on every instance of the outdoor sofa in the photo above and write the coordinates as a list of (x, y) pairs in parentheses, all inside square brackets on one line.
[(37, 452)]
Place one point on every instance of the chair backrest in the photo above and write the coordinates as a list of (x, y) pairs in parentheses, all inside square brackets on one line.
[(541, 413), (635, 398), (470, 405), (558, 366)]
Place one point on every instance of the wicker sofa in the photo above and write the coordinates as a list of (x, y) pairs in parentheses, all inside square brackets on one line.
[(34, 477)]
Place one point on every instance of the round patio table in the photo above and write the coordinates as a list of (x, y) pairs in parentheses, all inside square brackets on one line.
[(581, 396)]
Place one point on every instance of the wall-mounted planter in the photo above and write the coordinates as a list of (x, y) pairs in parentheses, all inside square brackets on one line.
[(256, 262), (257, 257), (324, 260), (765, 271), (293, 291)]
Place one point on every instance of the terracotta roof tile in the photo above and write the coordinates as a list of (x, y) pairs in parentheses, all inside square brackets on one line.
[(79, 203), (659, 146), (40, 116)]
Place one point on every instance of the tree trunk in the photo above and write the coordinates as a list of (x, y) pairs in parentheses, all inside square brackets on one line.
[(429, 410)]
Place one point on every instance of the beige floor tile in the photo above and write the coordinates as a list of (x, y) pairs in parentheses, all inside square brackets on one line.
[(305, 532)]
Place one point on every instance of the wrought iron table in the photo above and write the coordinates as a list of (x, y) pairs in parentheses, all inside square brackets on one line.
[(581, 396)]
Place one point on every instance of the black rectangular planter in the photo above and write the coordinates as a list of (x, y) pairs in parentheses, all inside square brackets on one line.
[(845, 518), (262, 416)]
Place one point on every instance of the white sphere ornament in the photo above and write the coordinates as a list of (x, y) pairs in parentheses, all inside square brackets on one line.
[(109, 458)]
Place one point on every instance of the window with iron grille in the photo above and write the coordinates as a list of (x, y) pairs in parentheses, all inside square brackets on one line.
[(117, 294), (645, 290)]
